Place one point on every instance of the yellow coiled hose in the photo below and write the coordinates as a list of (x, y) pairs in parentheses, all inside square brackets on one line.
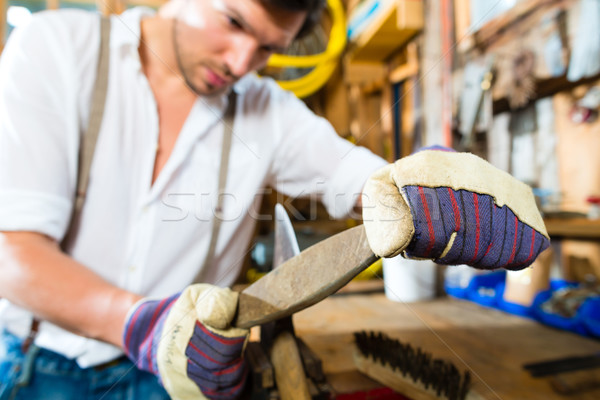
[(324, 63)]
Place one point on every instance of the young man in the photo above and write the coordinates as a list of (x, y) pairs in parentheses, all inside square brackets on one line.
[(150, 206)]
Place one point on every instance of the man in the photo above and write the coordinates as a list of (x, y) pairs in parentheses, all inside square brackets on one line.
[(146, 225), (123, 283)]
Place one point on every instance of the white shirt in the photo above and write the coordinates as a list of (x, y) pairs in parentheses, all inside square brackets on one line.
[(147, 238)]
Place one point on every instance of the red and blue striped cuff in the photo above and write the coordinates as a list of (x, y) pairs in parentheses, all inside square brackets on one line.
[(215, 363), (486, 236), (143, 332)]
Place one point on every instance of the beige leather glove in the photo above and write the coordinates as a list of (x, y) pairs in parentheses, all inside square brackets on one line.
[(187, 341), (454, 208)]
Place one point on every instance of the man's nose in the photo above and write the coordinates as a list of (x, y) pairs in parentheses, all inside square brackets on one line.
[(241, 56)]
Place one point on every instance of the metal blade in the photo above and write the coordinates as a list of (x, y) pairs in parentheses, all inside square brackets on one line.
[(305, 279), (286, 244), (286, 247)]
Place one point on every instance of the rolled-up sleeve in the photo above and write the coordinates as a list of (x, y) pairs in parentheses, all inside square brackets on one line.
[(38, 129), (311, 159), (34, 211)]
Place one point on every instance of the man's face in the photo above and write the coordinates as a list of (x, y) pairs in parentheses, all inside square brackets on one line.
[(219, 41)]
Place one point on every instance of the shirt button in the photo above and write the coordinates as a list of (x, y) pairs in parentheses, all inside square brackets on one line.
[(132, 268)]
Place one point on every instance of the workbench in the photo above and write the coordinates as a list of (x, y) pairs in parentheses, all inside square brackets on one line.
[(492, 344)]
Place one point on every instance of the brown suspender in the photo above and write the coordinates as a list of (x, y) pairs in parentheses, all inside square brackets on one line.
[(228, 118), (89, 139), (86, 148)]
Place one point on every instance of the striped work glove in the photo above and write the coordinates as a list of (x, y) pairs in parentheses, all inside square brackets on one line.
[(454, 208), (186, 341)]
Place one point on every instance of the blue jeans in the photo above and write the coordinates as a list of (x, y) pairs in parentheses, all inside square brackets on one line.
[(43, 374)]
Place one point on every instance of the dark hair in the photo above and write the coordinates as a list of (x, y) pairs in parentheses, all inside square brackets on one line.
[(314, 8)]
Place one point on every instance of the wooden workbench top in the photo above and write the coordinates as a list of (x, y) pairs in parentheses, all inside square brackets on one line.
[(492, 344)]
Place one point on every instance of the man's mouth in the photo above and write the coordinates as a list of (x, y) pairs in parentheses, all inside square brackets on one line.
[(215, 80)]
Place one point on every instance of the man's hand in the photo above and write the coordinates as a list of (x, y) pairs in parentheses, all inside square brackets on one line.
[(454, 208), (187, 342)]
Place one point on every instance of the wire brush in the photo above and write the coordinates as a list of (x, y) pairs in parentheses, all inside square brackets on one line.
[(409, 370)]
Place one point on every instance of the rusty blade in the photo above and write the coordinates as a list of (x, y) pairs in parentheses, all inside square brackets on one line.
[(305, 279)]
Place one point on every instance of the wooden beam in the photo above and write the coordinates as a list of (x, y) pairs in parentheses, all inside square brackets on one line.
[(289, 372), (373, 87), (363, 73), (462, 18), (409, 69), (386, 116), (409, 118), (580, 228), (430, 59), (545, 88), (447, 64)]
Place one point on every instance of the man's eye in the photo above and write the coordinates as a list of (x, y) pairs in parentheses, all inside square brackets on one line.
[(268, 49), (234, 22)]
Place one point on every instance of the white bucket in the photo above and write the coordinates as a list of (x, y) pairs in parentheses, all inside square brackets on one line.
[(409, 280)]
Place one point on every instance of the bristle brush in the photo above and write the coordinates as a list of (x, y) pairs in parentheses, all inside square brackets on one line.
[(410, 371)]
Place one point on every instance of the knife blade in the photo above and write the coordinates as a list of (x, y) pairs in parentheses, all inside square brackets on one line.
[(286, 243), (305, 279), (286, 247)]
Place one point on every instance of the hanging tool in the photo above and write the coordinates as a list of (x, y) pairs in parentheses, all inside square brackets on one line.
[(523, 88), (478, 82)]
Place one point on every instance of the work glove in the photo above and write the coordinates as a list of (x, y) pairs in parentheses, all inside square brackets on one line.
[(453, 208), (186, 341)]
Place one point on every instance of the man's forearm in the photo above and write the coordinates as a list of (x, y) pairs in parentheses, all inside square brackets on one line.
[(37, 276)]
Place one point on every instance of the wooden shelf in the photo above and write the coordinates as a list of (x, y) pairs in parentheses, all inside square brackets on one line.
[(578, 228), (378, 27), (544, 88), (502, 24)]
